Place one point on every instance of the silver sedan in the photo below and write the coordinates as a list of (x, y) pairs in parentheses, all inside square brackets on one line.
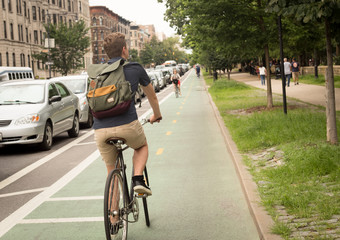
[(34, 111)]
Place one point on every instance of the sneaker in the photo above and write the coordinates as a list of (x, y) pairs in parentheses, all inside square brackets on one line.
[(141, 188)]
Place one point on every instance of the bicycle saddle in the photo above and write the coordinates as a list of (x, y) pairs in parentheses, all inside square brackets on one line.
[(114, 140)]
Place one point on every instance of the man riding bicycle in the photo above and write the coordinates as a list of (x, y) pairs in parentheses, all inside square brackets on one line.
[(126, 125), (176, 80)]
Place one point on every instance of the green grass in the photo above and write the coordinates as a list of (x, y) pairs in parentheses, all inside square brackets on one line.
[(310, 79), (308, 183)]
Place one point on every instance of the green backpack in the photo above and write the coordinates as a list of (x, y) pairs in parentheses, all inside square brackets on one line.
[(109, 93)]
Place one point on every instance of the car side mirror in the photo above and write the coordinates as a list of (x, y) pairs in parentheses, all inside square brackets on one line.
[(55, 99)]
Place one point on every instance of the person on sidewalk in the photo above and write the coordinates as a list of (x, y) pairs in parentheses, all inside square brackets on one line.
[(263, 74), (127, 125), (287, 70), (295, 71)]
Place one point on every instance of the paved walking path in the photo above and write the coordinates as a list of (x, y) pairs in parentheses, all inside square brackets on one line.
[(305, 92), (197, 192)]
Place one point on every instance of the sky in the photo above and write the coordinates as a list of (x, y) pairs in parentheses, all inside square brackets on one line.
[(142, 12)]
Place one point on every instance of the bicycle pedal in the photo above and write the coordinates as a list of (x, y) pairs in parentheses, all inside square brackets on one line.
[(141, 195)]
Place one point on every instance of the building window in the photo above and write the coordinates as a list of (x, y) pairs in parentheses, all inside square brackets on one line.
[(54, 19), (60, 5), (19, 6), (10, 5), (41, 38), (69, 5), (80, 6), (27, 35), (34, 13), (25, 9), (12, 32), (102, 35), (3, 4), (0, 59), (5, 30), (94, 21), (35, 36), (28, 60), (39, 13), (100, 21), (95, 35), (19, 34), (43, 15), (13, 56)]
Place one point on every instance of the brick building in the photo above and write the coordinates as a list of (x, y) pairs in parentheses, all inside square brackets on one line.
[(23, 33), (149, 29), (138, 37), (104, 22)]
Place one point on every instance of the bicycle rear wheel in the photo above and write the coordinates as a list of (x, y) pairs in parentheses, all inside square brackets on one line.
[(176, 91), (115, 207)]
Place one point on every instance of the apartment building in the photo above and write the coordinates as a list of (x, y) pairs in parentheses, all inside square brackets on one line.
[(138, 37), (22, 31), (149, 29), (104, 22)]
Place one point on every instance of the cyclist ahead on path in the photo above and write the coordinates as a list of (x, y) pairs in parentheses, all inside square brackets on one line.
[(198, 70), (176, 80), (127, 125)]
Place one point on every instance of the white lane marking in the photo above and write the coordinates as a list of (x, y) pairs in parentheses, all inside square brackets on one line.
[(42, 161), (75, 198), (31, 205), (62, 220), (22, 192), (86, 143)]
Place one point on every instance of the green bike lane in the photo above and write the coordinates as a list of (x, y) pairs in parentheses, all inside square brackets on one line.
[(196, 190)]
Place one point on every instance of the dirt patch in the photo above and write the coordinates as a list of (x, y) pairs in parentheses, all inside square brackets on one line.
[(252, 110)]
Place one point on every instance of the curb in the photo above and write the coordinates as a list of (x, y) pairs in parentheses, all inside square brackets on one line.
[(262, 220)]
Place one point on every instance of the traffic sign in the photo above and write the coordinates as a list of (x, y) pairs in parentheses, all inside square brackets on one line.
[(49, 63)]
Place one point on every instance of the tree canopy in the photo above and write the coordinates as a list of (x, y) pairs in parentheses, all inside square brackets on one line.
[(71, 44)]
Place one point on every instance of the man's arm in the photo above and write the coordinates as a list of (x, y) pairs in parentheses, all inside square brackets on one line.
[(151, 95)]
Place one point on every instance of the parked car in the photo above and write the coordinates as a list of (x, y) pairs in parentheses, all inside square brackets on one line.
[(161, 78), (154, 81), (34, 111), (78, 84), (167, 75)]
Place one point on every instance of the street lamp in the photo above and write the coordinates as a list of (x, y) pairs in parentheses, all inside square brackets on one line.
[(48, 44)]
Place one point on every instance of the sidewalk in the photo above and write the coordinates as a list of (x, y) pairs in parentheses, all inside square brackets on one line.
[(197, 192), (305, 92)]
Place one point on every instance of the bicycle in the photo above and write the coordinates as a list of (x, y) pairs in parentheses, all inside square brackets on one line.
[(175, 81), (119, 201)]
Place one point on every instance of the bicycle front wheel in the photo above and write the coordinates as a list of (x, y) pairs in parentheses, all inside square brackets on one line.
[(115, 207)]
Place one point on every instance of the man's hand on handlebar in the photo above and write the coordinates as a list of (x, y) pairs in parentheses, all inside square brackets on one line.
[(153, 119)]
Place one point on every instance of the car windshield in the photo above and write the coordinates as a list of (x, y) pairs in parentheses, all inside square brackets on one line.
[(75, 85), (21, 94)]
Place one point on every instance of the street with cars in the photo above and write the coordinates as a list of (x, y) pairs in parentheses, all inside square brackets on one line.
[(58, 194)]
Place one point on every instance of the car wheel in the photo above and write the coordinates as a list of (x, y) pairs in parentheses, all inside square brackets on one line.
[(48, 138), (74, 131), (89, 122)]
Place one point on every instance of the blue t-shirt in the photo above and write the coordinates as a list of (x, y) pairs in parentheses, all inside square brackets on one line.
[(134, 73)]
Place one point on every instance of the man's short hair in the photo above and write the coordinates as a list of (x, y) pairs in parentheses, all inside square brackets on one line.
[(285, 59), (113, 44)]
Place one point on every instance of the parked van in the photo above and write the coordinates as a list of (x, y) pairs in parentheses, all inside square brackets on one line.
[(16, 73)]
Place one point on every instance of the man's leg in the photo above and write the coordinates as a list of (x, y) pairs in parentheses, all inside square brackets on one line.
[(140, 157)]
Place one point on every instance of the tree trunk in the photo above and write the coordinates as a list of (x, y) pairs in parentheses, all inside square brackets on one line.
[(269, 81), (330, 93)]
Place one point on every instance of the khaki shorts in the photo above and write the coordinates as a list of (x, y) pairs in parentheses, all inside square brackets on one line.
[(132, 132)]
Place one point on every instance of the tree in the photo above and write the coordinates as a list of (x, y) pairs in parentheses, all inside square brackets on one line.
[(71, 45), (328, 12), (209, 25), (134, 56)]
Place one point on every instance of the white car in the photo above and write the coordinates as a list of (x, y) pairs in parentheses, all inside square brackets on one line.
[(34, 111), (78, 84)]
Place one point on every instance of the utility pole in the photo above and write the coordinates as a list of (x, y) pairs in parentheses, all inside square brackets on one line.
[(48, 44)]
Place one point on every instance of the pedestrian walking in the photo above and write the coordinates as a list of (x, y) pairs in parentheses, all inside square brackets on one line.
[(287, 70), (263, 74), (295, 71)]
